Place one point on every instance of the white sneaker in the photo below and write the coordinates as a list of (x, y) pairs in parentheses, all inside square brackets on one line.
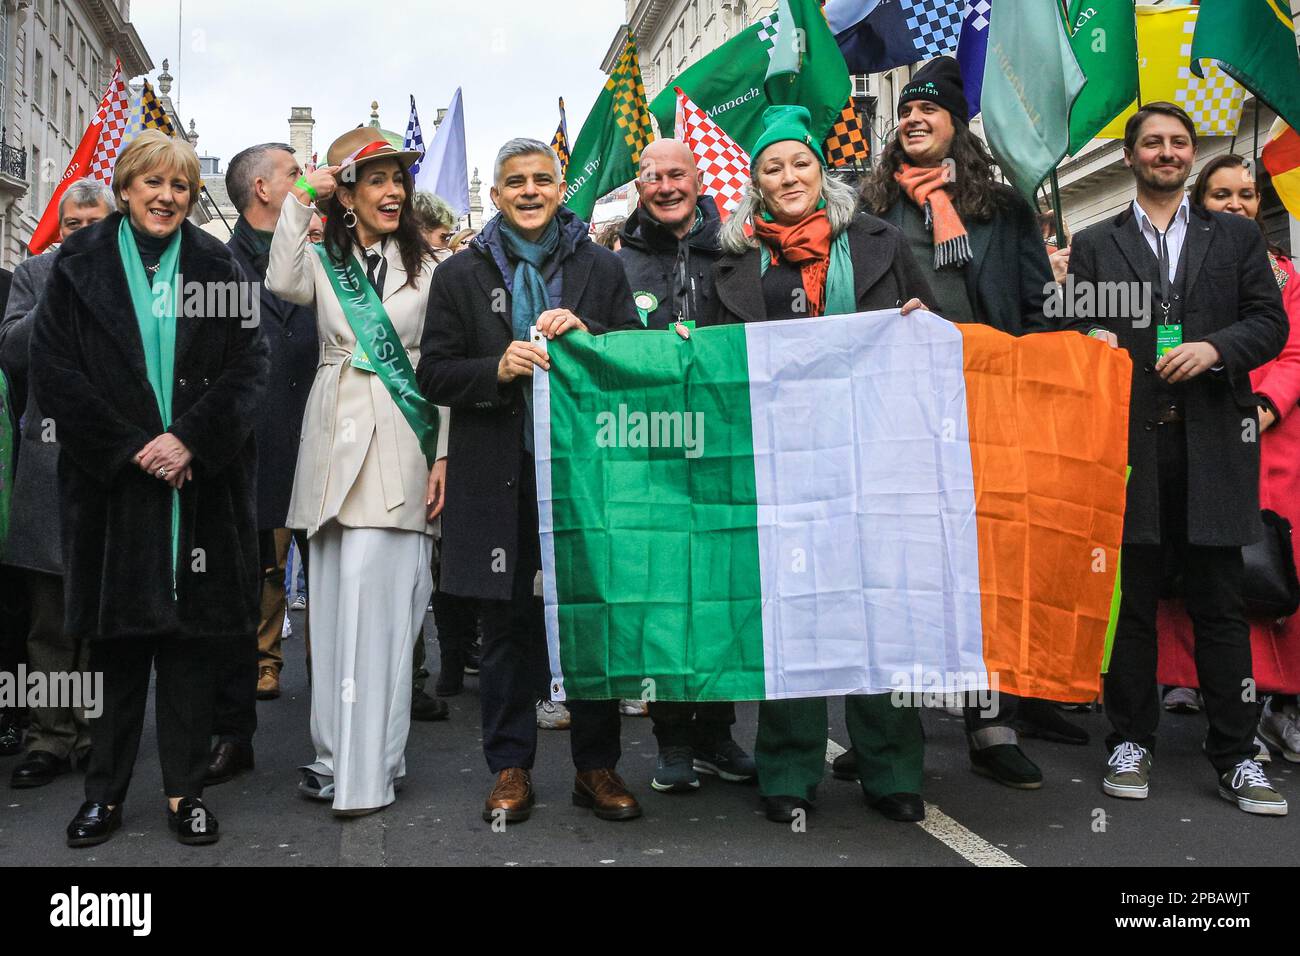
[(1183, 700), (633, 707), (1129, 776), (1248, 787), (1281, 731), (552, 715)]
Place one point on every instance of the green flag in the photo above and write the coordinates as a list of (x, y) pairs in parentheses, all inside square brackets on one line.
[(798, 62), (1104, 42), (1030, 81), (1254, 42), (609, 146)]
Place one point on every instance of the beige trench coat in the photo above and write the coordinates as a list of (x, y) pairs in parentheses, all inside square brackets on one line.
[(359, 462)]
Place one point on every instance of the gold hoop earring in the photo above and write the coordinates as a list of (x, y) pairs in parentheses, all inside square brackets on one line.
[(353, 223)]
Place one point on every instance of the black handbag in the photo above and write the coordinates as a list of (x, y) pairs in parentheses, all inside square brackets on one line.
[(1272, 590)]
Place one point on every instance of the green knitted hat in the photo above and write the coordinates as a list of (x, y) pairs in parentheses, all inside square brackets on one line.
[(786, 122)]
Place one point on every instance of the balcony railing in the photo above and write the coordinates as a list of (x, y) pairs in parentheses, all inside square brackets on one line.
[(13, 161)]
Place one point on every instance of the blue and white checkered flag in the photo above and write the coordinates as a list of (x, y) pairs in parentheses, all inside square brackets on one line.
[(414, 139)]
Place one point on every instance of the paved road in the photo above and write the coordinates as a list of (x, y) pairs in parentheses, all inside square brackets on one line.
[(435, 820)]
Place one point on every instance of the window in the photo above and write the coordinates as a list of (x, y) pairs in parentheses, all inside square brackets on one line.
[(81, 121), (52, 104), (94, 74), (54, 20), (37, 206), (67, 114), (695, 18), (40, 8), (38, 78), (68, 36), (4, 59), (81, 57), (681, 39)]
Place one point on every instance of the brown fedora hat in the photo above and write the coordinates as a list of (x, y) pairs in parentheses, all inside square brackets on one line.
[(363, 144)]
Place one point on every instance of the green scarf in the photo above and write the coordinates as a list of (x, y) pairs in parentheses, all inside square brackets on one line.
[(839, 276), (155, 311)]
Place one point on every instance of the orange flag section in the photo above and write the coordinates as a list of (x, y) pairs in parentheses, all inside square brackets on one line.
[(1049, 446)]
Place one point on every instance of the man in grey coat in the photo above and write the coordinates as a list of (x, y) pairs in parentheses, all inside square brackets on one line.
[(58, 735)]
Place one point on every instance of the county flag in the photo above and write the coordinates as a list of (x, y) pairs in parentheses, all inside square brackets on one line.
[(1031, 80), (878, 35), (414, 138), (608, 148), (1103, 36), (1254, 42), (94, 156), (560, 141), (972, 48), (723, 166), (1281, 157), (1164, 42), (826, 506)]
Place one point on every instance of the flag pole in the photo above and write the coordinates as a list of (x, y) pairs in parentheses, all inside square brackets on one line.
[(1056, 210), (224, 221)]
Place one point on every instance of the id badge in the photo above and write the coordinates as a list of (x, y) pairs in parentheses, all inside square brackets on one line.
[(1168, 338), (361, 360)]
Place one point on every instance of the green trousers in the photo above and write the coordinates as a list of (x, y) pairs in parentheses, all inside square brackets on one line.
[(790, 752)]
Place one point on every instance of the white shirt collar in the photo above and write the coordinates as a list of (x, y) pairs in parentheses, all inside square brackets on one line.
[(1181, 215)]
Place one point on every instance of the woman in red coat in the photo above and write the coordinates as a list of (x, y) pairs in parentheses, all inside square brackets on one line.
[(1226, 185)]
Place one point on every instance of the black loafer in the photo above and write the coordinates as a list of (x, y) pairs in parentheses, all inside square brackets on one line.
[(37, 769), (785, 809), (94, 824), (845, 766), (229, 759), (193, 823), (424, 707), (11, 736), (903, 807)]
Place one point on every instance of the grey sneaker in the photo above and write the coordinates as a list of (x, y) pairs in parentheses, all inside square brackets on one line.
[(317, 786), (1130, 772), (552, 715), (1250, 789), (1183, 700), (674, 772), (1281, 731), (725, 759)]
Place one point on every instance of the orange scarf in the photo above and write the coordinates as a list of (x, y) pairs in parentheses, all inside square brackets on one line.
[(925, 186), (806, 244)]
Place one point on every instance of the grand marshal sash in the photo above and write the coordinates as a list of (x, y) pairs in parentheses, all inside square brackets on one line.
[(384, 350)]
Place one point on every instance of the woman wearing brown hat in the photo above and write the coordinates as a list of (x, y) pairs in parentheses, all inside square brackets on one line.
[(364, 489)]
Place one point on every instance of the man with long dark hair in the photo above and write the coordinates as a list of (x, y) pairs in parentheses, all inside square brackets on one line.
[(979, 245)]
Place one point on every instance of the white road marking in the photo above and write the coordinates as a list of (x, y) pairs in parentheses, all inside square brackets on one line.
[(969, 846)]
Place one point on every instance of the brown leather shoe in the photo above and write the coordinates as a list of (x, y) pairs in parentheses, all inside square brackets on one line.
[(605, 794), (268, 683), (512, 793)]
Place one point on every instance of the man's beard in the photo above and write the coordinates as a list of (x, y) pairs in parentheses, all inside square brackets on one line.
[(1153, 181)]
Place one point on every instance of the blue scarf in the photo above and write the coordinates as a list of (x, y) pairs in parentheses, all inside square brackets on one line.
[(529, 296)]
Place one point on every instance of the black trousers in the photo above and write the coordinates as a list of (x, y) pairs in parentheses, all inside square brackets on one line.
[(989, 729), (514, 672), (14, 624), (182, 710), (1212, 591), (684, 724)]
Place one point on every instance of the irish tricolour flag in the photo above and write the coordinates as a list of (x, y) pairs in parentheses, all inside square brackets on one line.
[(856, 504)]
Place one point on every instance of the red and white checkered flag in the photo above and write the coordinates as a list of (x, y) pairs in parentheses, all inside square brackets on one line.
[(113, 116), (724, 164)]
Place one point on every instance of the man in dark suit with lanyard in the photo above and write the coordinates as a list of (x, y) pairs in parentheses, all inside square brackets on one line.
[(1193, 494)]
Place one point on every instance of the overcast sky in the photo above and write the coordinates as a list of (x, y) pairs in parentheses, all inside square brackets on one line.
[(244, 63)]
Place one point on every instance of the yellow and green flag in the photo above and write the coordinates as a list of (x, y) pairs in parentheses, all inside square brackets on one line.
[(608, 148), (1254, 43)]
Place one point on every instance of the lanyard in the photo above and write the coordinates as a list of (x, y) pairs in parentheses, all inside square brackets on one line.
[(1162, 246)]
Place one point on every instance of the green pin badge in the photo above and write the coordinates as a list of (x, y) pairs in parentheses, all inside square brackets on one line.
[(646, 302)]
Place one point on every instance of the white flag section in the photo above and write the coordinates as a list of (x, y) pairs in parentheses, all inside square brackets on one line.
[(444, 171), (867, 543)]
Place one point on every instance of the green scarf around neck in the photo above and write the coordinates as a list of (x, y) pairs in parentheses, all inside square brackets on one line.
[(154, 305)]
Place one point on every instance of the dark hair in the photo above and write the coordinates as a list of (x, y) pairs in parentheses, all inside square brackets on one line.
[(1048, 220), (608, 233), (973, 190), (1202, 184), (412, 248), (1156, 108), (247, 165)]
